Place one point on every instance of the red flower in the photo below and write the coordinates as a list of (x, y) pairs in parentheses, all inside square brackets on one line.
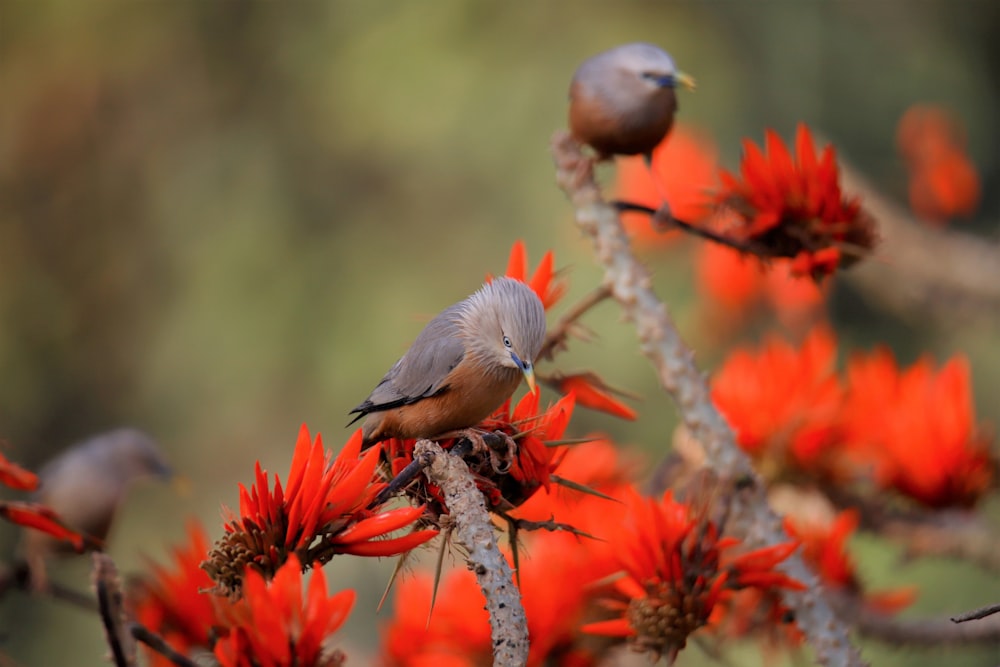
[(326, 510), (273, 626), (918, 428), (543, 281), (591, 392), (684, 166), (535, 460), (456, 633), (16, 477), (824, 547), (529, 468), (794, 208), (172, 602), (784, 403), (944, 183), (40, 517), (556, 597), (735, 283), (677, 569)]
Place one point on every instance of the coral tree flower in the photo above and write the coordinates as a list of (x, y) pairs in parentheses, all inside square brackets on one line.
[(824, 547), (784, 403), (794, 207), (677, 571), (16, 477), (543, 281), (591, 392), (39, 517), (171, 601), (324, 510), (918, 429), (555, 592), (944, 183), (507, 479), (735, 284), (275, 625), (685, 167)]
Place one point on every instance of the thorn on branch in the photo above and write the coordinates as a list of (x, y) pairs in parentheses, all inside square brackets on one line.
[(157, 643), (976, 614)]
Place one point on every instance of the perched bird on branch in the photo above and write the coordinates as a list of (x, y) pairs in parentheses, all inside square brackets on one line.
[(85, 485), (622, 101), (464, 364)]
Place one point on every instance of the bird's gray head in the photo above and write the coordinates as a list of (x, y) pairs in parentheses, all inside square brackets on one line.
[(503, 325), (652, 65), (639, 63), (126, 453)]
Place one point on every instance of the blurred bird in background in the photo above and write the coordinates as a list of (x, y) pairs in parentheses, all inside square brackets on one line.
[(85, 486)]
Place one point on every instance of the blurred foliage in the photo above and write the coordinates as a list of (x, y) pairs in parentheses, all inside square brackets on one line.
[(222, 219)]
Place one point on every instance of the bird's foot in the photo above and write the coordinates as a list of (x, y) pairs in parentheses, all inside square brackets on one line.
[(495, 446)]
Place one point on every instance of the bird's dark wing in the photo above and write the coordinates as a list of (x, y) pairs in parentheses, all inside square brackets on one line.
[(421, 372)]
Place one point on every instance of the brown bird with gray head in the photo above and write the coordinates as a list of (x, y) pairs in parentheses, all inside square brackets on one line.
[(464, 364), (622, 101), (85, 485)]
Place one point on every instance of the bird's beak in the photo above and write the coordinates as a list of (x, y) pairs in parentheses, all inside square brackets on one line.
[(528, 370), (529, 377), (686, 80)]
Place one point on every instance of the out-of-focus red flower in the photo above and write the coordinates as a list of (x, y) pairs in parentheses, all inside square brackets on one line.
[(824, 547), (784, 403), (591, 392), (274, 625), (553, 582), (456, 632), (16, 477), (794, 207), (944, 183), (325, 510), (677, 572), (172, 603), (543, 281), (735, 283), (685, 165), (917, 427), (39, 517)]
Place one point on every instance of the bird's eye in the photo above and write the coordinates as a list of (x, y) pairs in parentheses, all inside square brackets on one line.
[(660, 79), (506, 341)]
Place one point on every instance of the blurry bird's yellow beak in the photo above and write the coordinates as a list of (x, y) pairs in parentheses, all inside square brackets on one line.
[(529, 377), (686, 80), (182, 485)]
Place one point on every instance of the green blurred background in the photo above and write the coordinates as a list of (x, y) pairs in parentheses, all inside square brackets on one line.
[(219, 220)]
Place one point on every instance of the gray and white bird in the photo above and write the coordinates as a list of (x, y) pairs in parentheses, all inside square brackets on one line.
[(622, 101), (85, 486), (465, 363)]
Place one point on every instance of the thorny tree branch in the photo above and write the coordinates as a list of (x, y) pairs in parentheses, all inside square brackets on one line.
[(911, 631), (109, 597), (157, 643), (750, 516), (918, 270), (977, 614), (474, 531)]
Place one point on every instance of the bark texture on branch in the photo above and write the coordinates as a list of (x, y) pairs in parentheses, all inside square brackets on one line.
[(750, 515), (474, 531)]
